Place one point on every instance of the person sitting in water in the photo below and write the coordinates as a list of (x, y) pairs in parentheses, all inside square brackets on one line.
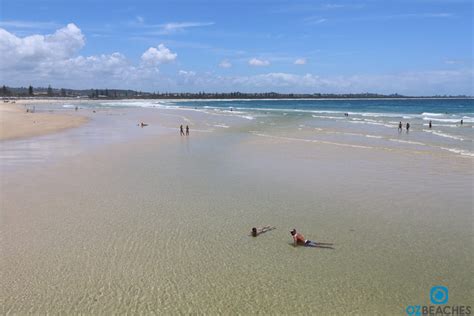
[(298, 239), (257, 231), (143, 124)]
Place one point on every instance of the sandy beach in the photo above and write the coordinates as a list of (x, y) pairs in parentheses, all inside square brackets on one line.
[(15, 122), (114, 218)]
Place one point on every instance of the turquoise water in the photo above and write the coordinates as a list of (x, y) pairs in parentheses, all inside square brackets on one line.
[(356, 122), (455, 108)]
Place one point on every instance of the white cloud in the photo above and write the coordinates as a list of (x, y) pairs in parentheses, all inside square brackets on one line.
[(300, 61), (313, 20), (29, 50), (185, 73), (53, 59), (153, 56), (113, 67), (258, 62), (225, 64), (180, 26)]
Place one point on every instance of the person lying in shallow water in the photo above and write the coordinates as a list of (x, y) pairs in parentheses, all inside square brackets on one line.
[(257, 231), (298, 239)]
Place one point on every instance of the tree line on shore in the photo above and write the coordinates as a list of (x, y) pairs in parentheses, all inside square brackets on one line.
[(132, 94)]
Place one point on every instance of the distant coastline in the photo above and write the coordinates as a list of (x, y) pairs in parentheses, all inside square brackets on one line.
[(119, 94)]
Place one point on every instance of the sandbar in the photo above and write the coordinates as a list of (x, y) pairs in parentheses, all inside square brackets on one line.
[(16, 122)]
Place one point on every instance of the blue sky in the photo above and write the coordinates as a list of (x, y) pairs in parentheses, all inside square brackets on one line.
[(415, 47)]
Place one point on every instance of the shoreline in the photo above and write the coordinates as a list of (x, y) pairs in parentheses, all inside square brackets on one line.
[(15, 123)]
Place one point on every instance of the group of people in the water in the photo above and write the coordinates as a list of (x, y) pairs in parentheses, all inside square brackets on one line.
[(407, 126), (298, 238), (400, 126), (181, 130)]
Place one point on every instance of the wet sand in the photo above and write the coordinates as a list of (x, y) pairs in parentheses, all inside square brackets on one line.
[(15, 122), (160, 223)]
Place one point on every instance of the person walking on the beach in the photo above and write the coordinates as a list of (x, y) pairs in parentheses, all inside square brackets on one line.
[(181, 130), (408, 127), (400, 126), (298, 239), (187, 130), (430, 124)]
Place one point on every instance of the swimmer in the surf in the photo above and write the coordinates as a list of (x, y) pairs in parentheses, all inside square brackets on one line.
[(257, 231)]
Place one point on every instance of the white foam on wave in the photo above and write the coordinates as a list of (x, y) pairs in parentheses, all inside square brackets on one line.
[(371, 114), (69, 106), (373, 136), (407, 142), (461, 152), (442, 120), (328, 117), (312, 141), (363, 114), (441, 134), (378, 123), (432, 114), (221, 125), (142, 104), (443, 125), (231, 112)]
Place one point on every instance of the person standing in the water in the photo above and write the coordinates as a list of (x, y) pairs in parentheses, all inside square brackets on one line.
[(429, 124), (400, 126), (187, 130), (181, 130), (408, 127)]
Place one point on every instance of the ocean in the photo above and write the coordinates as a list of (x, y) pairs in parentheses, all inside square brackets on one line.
[(359, 122)]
